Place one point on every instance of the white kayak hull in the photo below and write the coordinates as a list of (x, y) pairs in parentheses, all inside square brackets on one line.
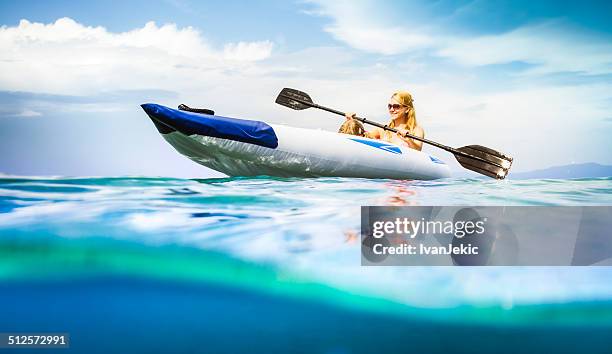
[(296, 152)]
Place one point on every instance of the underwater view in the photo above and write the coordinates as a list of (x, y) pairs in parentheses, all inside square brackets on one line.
[(135, 264)]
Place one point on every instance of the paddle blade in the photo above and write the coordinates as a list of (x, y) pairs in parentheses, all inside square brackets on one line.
[(485, 161), (294, 99)]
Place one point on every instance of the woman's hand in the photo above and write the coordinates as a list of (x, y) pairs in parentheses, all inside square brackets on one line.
[(402, 132), (350, 115), (414, 144)]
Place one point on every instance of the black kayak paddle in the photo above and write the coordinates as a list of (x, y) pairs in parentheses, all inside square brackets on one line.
[(476, 158)]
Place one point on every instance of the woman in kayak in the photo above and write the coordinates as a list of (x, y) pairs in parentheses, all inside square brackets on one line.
[(403, 118)]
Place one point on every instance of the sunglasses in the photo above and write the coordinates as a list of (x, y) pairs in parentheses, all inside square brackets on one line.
[(394, 106)]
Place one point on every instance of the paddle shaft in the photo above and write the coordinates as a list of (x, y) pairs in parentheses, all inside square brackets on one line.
[(385, 127)]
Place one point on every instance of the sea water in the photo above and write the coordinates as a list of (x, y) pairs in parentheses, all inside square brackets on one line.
[(141, 264)]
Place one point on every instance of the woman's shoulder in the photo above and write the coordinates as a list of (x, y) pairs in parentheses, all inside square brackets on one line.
[(417, 128), (418, 131)]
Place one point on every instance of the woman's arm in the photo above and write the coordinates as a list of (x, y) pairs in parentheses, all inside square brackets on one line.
[(414, 144), (374, 134)]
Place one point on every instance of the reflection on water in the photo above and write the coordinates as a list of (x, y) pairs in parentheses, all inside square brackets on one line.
[(401, 194)]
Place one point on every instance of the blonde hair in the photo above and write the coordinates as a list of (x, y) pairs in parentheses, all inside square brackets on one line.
[(352, 127), (405, 99)]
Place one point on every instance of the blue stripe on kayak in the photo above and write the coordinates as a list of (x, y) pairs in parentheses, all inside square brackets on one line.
[(379, 145), (188, 123), (436, 160)]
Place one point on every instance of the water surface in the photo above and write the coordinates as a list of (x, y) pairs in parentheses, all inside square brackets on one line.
[(280, 255)]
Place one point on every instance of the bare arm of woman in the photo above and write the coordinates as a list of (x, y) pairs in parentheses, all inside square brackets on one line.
[(414, 144), (374, 134)]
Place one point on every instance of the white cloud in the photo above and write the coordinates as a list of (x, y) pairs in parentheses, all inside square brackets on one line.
[(551, 47), (66, 57), (248, 51), (354, 24), (382, 40), (11, 111), (29, 113), (548, 46)]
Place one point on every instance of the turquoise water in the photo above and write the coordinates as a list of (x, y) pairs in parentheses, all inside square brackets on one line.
[(197, 249)]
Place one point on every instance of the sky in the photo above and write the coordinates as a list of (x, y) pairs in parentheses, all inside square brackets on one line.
[(530, 78)]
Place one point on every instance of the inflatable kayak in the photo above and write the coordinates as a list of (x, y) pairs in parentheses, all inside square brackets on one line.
[(240, 147)]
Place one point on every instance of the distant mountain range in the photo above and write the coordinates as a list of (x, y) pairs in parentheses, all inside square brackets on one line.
[(583, 170)]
